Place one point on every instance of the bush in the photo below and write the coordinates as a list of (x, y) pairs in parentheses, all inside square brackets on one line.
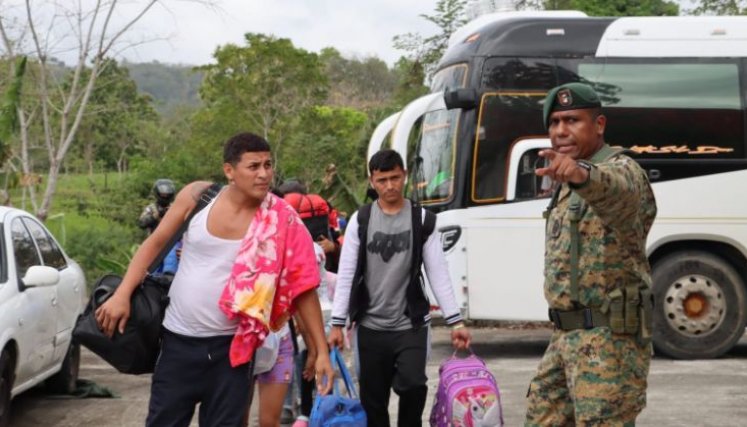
[(90, 239)]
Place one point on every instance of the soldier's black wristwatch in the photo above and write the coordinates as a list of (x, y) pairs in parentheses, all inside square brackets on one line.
[(586, 165)]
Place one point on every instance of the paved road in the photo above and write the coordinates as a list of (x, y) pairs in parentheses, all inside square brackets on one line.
[(681, 393)]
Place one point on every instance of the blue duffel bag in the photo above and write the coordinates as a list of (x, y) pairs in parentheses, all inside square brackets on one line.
[(335, 410)]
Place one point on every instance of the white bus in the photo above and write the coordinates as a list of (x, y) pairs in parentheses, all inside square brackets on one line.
[(674, 90)]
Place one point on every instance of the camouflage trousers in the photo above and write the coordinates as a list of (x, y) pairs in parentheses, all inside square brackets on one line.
[(589, 378)]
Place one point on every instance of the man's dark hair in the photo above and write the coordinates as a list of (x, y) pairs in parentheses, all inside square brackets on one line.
[(385, 161), (241, 143)]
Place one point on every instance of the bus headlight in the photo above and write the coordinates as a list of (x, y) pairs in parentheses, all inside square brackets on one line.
[(450, 236)]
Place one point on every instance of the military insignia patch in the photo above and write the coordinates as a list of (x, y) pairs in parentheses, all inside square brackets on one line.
[(564, 98)]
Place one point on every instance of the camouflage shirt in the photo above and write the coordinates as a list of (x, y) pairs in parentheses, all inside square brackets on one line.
[(620, 208), (150, 217)]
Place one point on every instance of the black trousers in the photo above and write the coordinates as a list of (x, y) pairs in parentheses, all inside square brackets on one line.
[(197, 370), (393, 360)]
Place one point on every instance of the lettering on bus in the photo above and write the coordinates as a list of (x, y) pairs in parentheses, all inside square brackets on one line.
[(680, 149)]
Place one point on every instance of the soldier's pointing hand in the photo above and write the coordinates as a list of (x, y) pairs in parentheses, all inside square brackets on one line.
[(562, 168)]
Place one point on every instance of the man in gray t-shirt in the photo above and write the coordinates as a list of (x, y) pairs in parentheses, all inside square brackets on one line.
[(387, 273), (380, 286)]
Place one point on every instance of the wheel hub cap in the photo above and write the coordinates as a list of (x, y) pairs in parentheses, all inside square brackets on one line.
[(694, 305)]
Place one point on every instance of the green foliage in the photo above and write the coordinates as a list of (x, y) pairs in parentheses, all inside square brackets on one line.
[(261, 87), (118, 263), (330, 147), (362, 84), (119, 122), (427, 51), (410, 78), (720, 7), (9, 108), (94, 218), (607, 7)]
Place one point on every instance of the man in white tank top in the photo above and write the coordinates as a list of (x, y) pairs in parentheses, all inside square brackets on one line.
[(194, 365)]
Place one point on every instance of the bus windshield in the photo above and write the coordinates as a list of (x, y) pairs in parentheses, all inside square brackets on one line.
[(432, 171), (433, 165)]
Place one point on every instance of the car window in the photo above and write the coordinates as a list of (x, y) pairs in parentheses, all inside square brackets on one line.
[(50, 252), (23, 247)]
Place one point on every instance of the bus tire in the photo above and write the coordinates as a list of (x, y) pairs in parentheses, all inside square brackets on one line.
[(699, 305), (6, 386)]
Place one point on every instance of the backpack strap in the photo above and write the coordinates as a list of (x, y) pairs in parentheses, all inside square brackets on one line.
[(364, 216), (358, 293), (577, 209), (206, 197), (429, 225)]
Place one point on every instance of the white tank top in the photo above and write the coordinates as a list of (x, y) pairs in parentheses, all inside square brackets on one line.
[(204, 268)]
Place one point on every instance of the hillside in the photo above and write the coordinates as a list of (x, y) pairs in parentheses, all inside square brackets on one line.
[(171, 86)]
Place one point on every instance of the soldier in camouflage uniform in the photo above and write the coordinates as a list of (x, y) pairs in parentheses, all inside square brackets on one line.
[(597, 277), (164, 192)]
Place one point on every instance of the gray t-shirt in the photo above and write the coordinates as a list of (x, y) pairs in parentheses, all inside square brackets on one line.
[(388, 262)]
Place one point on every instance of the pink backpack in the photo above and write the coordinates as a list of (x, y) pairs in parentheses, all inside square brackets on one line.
[(467, 395)]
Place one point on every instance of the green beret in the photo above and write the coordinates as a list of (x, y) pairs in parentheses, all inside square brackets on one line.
[(570, 96)]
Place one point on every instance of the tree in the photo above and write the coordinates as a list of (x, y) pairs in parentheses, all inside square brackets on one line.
[(362, 84), (427, 51), (10, 106), (263, 87), (720, 7), (117, 121), (47, 28), (328, 153), (410, 77), (606, 7)]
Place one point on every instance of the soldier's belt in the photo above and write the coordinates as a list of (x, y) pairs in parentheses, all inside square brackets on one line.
[(583, 318)]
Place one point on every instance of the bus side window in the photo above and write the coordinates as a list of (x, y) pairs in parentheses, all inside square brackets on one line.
[(528, 184)]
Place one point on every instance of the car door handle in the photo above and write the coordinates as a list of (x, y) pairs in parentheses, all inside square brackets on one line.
[(54, 302)]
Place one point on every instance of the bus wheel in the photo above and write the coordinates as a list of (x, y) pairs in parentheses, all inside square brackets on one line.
[(699, 309)]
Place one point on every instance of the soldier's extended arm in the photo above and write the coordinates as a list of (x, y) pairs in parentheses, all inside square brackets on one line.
[(614, 189)]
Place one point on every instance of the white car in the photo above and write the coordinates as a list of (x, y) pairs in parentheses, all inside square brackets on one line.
[(42, 292)]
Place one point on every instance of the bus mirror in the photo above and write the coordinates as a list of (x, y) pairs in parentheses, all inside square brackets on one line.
[(465, 99)]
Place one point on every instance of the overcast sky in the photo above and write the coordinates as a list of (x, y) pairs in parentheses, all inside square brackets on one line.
[(182, 31), (354, 27)]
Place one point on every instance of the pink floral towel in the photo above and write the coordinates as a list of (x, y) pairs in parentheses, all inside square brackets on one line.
[(275, 264)]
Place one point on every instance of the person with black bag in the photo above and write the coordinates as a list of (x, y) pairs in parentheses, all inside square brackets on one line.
[(208, 341)]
